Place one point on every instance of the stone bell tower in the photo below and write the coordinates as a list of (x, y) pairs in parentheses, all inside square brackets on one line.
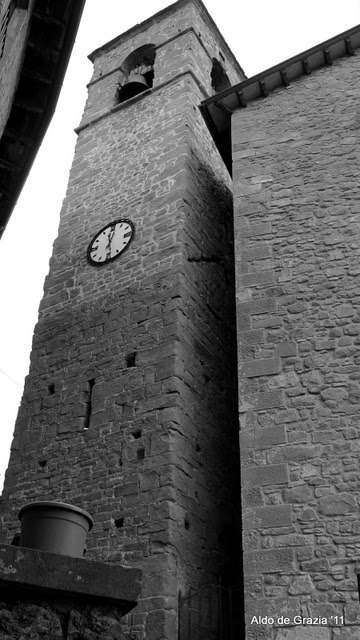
[(130, 407)]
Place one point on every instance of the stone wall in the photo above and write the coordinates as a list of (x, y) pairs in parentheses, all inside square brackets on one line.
[(296, 158), (130, 406)]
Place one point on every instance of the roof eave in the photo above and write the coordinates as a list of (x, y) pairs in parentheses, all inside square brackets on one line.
[(218, 109)]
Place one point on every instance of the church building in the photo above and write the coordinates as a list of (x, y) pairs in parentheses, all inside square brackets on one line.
[(194, 378)]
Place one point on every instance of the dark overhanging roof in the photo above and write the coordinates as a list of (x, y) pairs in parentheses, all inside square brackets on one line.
[(218, 109), (52, 30)]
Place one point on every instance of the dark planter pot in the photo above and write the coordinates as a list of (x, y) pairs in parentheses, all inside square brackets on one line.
[(56, 527)]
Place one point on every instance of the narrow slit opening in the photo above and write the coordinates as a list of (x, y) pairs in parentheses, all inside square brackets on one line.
[(140, 454), (88, 403)]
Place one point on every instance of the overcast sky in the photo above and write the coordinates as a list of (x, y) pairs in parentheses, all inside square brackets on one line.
[(260, 33)]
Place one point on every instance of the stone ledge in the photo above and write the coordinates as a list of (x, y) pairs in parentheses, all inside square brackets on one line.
[(30, 570)]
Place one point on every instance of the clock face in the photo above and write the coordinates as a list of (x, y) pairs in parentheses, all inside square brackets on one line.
[(110, 242)]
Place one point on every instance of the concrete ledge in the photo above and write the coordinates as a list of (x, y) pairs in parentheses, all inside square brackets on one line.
[(50, 574)]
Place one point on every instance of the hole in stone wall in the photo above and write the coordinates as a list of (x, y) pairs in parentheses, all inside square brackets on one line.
[(42, 463), (140, 454), (198, 448), (16, 539), (119, 523), (136, 434), (131, 359), (186, 523), (51, 389)]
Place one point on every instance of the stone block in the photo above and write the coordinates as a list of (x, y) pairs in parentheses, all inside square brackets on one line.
[(301, 494), (269, 436), (266, 517), (302, 452), (269, 561), (257, 253), (252, 497), (255, 229), (160, 624), (260, 401), (243, 322), (286, 349), (165, 368), (301, 586), (246, 439), (352, 614), (325, 345), (256, 336), (258, 278), (318, 566), (287, 416), (261, 367), (265, 475), (269, 399), (127, 489), (345, 311), (337, 505), (269, 322), (257, 306), (327, 610)]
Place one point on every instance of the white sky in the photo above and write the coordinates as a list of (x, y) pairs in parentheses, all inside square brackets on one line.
[(260, 33)]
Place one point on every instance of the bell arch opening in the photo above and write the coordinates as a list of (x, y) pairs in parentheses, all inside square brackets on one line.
[(137, 72), (219, 78)]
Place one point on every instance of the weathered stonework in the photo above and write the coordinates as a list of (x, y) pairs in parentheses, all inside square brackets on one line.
[(296, 158), (45, 595), (130, 407)]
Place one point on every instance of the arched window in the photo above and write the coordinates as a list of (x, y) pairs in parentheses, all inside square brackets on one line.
[(219, 79), (137, 72)]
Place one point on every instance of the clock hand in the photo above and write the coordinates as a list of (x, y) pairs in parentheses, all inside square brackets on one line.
[(110, 237)]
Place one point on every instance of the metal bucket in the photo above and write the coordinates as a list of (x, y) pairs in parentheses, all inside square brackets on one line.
[(56, 527)]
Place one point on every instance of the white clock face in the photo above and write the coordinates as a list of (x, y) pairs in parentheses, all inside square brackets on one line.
[(110, 241)]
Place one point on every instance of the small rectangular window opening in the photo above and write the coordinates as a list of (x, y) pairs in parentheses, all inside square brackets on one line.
[(130, 359)]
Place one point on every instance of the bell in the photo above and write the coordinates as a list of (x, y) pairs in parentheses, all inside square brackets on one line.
[(134, 85)]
